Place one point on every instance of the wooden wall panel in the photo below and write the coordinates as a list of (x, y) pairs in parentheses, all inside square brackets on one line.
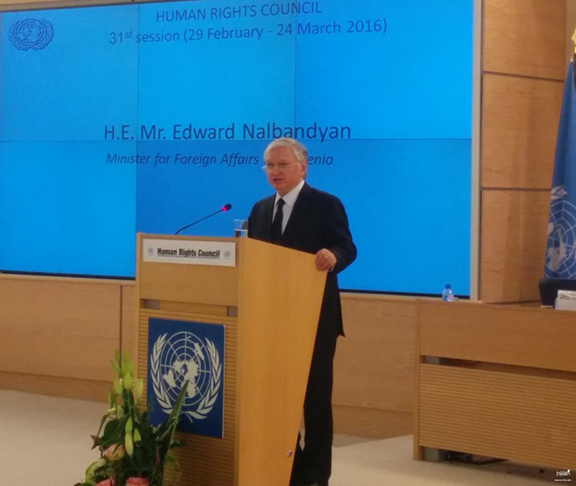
[(374, 365), (95, 391), (129, 330), (513, 241), (524, 41), (570, 26), (374, 369), (519, 131), (58, 327), (372, 422), (525, 37)]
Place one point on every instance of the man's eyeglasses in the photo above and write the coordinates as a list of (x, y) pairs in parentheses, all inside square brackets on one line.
[(281, 167)]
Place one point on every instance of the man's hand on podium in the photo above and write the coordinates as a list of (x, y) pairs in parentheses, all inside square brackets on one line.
[(325, 260)]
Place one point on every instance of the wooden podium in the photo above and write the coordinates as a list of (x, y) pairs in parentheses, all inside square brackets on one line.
[(269, 303)]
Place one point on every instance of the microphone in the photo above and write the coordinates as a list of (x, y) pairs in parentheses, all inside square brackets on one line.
[(223, 209)]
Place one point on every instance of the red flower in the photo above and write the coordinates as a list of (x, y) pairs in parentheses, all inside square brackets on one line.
[(137, 482), (106, 482)]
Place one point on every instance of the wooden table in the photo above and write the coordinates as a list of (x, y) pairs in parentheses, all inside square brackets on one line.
[(497, 381)]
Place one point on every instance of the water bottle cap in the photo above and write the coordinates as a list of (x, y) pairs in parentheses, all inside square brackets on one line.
[(448, 286)]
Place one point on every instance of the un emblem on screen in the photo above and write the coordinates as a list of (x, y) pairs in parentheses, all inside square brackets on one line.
[(182, 359), (33, 34)]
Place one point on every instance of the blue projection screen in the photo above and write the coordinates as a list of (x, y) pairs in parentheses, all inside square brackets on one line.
[(130, 118)]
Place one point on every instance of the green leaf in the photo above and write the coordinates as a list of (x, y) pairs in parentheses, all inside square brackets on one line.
[(129, 444), (168, 428), (177, 443), (111, 399), (127, 381), (129, 367), (128, 399), (116, 366), (126, 361), (141, 461), (138, 389), (92, 469), (113, 433), (110, 429), (95, 437), (128, 426), (117, 386)]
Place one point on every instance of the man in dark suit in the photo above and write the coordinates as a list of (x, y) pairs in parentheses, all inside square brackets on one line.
[(306, 219)]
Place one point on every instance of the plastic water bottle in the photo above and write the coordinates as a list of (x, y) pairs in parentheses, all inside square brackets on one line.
[(447, 294)]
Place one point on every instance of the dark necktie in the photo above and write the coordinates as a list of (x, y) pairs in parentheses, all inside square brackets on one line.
[(277, 222)]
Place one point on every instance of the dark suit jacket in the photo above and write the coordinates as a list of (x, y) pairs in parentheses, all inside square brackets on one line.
[(318, 220)]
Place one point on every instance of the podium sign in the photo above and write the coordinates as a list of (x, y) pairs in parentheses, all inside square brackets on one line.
[(192, 252)]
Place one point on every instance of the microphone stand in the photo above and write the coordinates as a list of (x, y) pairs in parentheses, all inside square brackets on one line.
[(221, 210)]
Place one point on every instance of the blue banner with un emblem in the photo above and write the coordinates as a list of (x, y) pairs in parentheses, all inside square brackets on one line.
[(188, 354), (561, 243)]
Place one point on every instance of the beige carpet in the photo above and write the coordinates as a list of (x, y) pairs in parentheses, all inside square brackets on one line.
[(46, 441)]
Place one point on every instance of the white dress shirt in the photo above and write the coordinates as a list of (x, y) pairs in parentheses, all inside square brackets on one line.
[(289, 201)]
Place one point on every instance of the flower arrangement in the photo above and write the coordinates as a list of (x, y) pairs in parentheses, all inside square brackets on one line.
[(132, 451)]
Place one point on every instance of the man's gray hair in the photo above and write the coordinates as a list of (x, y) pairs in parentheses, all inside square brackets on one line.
[(300, 151)]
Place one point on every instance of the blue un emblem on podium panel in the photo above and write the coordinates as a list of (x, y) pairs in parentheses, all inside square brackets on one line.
[(191, 354), (33, 34)]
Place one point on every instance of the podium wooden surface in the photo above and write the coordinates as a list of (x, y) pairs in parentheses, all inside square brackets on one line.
[(269, 304), (497, 381)]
